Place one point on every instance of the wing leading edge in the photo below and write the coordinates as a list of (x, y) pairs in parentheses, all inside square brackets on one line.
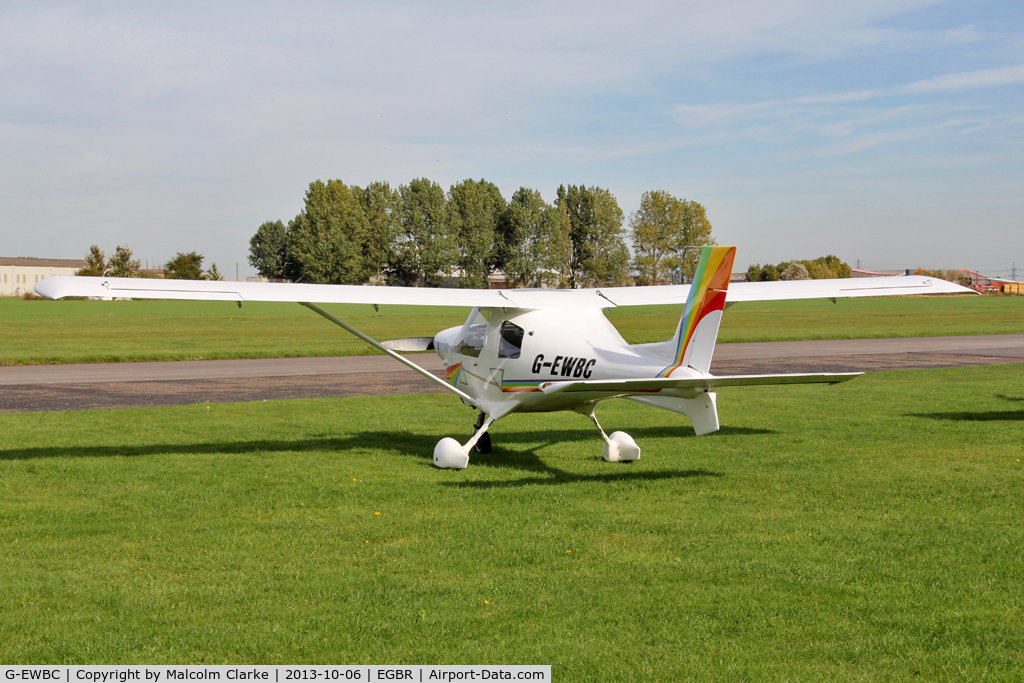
[(200, 290), (144, 288)]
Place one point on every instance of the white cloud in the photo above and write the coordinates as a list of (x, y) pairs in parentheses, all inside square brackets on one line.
[(986, 78), (697, 115), (843, 124)]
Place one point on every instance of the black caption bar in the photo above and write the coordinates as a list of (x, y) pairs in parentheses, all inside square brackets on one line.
[(224, 673)]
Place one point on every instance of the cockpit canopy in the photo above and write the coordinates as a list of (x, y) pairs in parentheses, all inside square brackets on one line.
[(471, 341), (471, 338)]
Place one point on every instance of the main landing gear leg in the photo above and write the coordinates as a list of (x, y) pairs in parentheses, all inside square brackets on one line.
[(484, 444), (449, 454), (619, 447)]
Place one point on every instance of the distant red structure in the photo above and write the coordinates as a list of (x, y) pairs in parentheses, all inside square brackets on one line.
[(979, 282), (968, 278)]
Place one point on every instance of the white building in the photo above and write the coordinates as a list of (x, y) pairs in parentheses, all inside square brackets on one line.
[(18, 275)]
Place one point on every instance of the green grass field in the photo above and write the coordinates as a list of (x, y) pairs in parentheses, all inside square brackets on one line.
[(34, 332), (862, 532)]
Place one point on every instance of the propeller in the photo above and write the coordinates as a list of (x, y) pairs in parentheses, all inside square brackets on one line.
[(410, 344)]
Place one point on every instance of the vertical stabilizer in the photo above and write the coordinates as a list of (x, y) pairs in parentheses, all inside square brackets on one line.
[(698, 327)]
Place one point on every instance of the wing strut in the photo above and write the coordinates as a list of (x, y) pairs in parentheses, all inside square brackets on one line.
[(401, 359)]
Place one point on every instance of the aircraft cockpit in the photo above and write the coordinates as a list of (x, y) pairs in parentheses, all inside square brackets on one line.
[(469, 340)]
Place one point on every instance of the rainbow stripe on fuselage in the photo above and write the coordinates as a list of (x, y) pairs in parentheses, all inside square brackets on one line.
[(452, 374), (707, 294)]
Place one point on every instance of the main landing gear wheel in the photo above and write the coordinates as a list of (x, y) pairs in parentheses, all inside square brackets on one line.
[(484, 444)]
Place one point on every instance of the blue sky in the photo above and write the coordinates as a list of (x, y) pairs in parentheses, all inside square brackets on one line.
[(890, 132)]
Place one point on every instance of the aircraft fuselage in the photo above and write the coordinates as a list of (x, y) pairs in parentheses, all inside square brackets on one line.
[(505, 356)]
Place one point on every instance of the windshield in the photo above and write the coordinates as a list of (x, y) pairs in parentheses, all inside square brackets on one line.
[(472, 341)]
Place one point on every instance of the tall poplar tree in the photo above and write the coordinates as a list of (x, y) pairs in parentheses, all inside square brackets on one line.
[(527, 232), (599, 255), (572, 202), (425, 253), (665, 231), (474, 208), (609, 257), (383, 208), (561, 246), (695, 232), (326, 240)]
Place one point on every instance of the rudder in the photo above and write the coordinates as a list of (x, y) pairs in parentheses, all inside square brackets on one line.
[(698, 327)]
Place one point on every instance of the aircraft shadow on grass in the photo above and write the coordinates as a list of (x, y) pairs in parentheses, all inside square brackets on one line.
[(979, 416), (505, 455)]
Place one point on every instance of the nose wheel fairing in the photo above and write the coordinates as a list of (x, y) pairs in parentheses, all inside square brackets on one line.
[(450, 454)]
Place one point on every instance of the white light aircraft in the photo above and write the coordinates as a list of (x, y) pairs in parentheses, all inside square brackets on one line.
[(539, 350)]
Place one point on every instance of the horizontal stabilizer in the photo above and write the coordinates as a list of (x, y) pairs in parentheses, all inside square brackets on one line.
[(410, 344), (709, 383)]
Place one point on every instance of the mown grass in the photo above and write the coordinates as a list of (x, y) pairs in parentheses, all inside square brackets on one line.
[(34, 332), (37, 332), (866, 531)]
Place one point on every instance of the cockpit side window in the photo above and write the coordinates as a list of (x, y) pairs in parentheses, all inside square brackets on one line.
[(511, 342)]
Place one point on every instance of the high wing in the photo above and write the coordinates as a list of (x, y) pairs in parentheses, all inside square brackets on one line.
[(155, 288), (608, 297), (621, 387), (202, 290)]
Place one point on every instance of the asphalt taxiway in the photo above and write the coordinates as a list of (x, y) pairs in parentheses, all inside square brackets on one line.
[(121, 385)]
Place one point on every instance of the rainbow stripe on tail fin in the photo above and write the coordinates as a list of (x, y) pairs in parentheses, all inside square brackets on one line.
[(698, 328)]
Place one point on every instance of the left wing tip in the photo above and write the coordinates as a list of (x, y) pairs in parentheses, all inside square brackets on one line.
[(49, 288)]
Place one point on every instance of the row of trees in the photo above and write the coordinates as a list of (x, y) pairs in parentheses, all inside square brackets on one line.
[(419, 235), (121, 264), (820, 268)]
